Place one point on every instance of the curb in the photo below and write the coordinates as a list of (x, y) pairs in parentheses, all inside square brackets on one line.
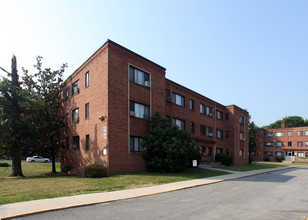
[(11, 216)]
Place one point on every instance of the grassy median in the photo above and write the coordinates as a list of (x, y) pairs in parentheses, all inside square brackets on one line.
[(40, 184)]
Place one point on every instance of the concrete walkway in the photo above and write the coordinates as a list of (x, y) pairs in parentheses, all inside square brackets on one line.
[(31, 207)]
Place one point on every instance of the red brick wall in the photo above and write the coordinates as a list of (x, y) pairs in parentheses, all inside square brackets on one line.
[(121, 125), (96, 96), (261, 139)]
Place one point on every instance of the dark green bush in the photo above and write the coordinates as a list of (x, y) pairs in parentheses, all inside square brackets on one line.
[(267, 159), (250, 160), (168, 149), (225, 159), (279, 159), (4, 164), (67, 168), (95, 170)]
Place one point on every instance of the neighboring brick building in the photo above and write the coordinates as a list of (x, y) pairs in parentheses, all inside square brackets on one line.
[(289, 143), (108, 100)]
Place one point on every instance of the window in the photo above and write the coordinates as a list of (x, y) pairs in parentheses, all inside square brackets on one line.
[(87, 79), (209, 111), (202, 130), (279, 144), (209, 131), (289, 133), (306, 154), (300, 133), (209, 151), (300, 144), (192, 127), (75, 142), (191, 104), (242, 136), (268, 134), (219, 134), (167, 94), (227, 134), (306, 143), (252, 153), (300, 154), (268, 144), (75, 87), (138, 76), (66, 119), (75, 115), (219, 150), (227, 116), (289, 144), (135, 144), (139, 110), (278, 154), (219, 115), (241, 119), (87, 111), (202, 109), (66, 93), (278, 134), (178, 99), (87, 142), (269, 153), (242, 153), (179, 123), (306, 133), (203, 149)]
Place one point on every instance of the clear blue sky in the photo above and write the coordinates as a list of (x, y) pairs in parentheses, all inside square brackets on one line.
[(249, 53)]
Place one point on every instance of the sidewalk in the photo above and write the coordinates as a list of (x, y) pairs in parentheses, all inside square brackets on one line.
[(31, 207)]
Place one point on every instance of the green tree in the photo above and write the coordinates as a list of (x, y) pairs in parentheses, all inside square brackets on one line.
[(11, 126), (253, 130), (45, 86), (168, 149), (291, 121)]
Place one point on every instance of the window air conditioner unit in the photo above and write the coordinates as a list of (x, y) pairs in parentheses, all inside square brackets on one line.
[(74, 146), (169, 99), (77, 91), (147, 83), (131, 113), (211, 114), (210, 134)]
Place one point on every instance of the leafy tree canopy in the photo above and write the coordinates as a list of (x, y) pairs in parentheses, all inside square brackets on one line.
[(291, 121)]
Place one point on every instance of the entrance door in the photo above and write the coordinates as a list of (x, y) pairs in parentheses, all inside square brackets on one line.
[(290, 155)]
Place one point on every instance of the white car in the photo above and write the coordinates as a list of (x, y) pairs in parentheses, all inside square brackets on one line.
[(38, 159)]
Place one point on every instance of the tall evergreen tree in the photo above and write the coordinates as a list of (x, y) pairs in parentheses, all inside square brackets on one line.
[(10, 117)]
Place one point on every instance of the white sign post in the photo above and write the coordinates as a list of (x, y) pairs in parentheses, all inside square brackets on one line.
[(195, 164)]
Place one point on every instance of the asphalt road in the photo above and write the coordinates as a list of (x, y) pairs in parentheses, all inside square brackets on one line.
[(276, 195)]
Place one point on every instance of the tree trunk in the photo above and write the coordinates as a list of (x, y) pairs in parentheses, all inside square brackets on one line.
[(53, 160), (16, 162), (15, 114)]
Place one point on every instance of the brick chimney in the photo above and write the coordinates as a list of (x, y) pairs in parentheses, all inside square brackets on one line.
[(283, 124)]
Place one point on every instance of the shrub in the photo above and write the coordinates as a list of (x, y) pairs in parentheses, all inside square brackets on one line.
[(95, 170), (67, 168), (225, 159), (168, 149), (250, 160), (4, 164), (267, 159), (279, 159)]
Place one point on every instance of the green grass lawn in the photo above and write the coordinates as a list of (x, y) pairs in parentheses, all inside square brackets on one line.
[(40, 184)]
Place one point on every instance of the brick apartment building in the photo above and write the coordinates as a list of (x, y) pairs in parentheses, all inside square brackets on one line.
[(108, 100), (289, 143)]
